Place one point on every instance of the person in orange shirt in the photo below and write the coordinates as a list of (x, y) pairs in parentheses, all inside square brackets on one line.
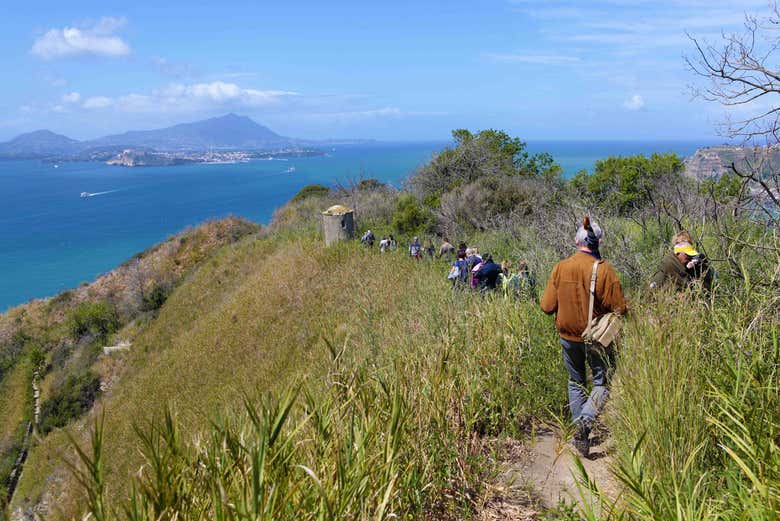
[(567, 294)]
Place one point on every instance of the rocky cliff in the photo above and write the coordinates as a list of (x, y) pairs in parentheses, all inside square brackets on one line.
[(717, 160)]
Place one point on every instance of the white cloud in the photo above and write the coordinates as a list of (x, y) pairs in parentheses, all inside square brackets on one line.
[(635, 102), (97, 102), (97, 39), (179, 97), (71, 97)]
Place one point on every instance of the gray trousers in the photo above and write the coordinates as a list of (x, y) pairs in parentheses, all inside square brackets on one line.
[(585, 406)]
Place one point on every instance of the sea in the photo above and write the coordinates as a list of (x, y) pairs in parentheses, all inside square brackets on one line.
[(52, 239)]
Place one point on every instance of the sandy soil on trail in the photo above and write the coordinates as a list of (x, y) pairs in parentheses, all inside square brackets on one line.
[(538, 474)]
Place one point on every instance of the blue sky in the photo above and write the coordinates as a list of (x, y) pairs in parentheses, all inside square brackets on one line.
[(606, 69)]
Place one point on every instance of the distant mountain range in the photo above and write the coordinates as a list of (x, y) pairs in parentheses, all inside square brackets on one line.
[(229, 132)]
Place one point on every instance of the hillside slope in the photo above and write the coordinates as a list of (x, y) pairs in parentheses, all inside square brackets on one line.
[(258, 319)]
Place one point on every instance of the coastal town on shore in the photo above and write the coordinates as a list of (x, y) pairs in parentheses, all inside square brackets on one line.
[(135, 157)]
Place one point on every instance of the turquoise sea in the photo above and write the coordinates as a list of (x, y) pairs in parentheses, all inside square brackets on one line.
[(52, 239)]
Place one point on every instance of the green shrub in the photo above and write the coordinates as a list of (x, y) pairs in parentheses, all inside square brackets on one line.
[(725, 187), (488, 153), (313, 190), (622, 184), (10, 352), (410, 216), (37, 357), (74, 397), (155, 297), (92, 318)]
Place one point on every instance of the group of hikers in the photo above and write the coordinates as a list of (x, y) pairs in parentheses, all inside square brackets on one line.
[(583, 292), (416, 249), (472, 271)]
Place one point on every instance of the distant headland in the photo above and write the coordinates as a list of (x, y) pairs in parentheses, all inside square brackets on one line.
[(226, 139)]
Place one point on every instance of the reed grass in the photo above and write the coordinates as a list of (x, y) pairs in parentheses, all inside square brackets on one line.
[(283, 380)]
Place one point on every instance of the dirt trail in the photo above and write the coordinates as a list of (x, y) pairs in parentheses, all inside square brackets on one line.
[(540, 473)]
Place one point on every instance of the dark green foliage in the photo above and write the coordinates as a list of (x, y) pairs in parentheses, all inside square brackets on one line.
[(155, 297), (313, 190), (488, 153), (92, 318), (11, 350), (37, 357), (411, 217), (622, 184), (725, 187), (75, 396)]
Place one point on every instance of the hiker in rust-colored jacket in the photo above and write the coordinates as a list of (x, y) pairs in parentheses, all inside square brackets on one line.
[(568, 295)]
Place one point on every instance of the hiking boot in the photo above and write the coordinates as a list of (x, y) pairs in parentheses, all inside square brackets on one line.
[(581, 441)]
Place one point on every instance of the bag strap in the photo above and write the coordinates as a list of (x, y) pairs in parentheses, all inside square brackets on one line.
[(593, 273)]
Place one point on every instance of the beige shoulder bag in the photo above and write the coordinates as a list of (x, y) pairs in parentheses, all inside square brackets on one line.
[(603, 330)]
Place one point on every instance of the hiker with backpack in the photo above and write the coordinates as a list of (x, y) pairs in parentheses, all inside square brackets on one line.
[(474, 263), (684, 267), (462, 247), (415, 249), (393, 243), (430, 249), (579, 287), (384, 244), (459, 273), (368, 239), (447, 249), (487, 274)]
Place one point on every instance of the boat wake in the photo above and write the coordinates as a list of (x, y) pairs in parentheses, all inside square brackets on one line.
[(94, 194)]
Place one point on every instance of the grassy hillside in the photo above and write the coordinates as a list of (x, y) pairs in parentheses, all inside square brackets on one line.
[(262, 317), (63, 336)]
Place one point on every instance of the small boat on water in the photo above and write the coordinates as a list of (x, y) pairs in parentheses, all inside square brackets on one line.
[(85, 194), (290, 170)]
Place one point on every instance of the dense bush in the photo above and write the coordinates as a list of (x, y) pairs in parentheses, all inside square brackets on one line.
[(155, 297), (9, 352), (410, 216), (488, 153), (76, 395), (313, 190), (622, 184), (97, 319)]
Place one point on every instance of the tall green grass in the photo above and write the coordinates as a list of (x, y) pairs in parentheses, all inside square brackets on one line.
[(315, 383), (696, 409)]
